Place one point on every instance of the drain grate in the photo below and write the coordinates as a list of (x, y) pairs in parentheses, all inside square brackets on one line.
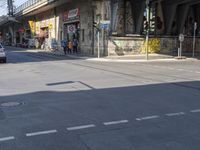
[(10, 104)]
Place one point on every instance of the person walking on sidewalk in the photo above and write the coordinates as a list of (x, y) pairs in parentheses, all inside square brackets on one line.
[(75, 46), (70, 47), (64, 45)]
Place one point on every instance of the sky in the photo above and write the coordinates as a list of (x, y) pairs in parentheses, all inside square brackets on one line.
[(3, 5)]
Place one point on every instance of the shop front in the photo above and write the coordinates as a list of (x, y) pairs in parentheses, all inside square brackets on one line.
[(71, 25)]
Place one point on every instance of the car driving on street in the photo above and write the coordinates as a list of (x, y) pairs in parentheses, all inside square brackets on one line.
[(2, 54)]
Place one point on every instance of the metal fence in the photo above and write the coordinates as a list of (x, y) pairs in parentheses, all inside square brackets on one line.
[(30, 3)]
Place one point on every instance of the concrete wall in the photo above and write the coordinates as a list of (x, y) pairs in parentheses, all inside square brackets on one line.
[(136, 45)]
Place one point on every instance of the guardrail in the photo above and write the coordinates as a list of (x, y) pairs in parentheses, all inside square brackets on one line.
[(31, 3)]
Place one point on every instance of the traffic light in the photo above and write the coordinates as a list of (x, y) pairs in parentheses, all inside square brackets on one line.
[(146, 25), (153, 18)]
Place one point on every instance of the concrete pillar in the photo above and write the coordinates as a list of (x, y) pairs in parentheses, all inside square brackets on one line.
[(182, 15), (169, 16), (121, 18), (138, 14)]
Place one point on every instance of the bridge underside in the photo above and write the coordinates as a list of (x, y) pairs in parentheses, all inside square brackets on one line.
[(172, 17)]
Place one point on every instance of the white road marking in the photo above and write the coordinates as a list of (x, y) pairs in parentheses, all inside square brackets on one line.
[(7, 138), (147, 118), (175, 114), (197, 72), (181, 70), (115, 122), (195, 111), (171, 68), (41, 133), (81, 127)]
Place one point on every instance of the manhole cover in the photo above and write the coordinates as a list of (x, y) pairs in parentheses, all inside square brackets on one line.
[(10, 104)]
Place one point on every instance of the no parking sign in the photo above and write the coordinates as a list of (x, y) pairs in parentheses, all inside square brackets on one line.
[(71, 28)]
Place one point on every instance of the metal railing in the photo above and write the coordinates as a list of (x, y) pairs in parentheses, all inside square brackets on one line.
[(30, 3)]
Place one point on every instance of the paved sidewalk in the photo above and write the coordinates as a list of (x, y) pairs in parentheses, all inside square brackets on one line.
[(127, 58)]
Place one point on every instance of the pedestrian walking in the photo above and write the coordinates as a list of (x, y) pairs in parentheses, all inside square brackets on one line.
[(70, 47), (64, 45), (75, 46)]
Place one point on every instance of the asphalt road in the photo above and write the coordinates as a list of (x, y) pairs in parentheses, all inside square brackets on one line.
[(57, 103)]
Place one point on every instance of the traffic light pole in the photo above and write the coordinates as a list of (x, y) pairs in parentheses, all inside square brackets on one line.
[(147, 31), (98, 38), (194, 39)]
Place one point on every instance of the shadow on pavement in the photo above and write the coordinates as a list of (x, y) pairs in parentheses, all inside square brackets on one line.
[(51, 109)]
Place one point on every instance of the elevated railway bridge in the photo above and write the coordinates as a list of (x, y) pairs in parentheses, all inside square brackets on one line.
[(56, 20)]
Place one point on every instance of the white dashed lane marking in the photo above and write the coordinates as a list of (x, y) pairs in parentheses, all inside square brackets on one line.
[(7, 138), (115, 122), (175, 114), (41, 133), (147, 118), (81, 127), (195, 111)]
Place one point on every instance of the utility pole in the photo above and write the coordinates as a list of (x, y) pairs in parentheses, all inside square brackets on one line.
[(194, 39), (10, 7)]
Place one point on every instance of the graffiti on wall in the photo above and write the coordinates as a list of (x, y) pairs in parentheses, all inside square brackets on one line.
[(154, 45)]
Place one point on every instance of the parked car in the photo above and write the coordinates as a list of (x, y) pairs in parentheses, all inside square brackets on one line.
[(2, 54)]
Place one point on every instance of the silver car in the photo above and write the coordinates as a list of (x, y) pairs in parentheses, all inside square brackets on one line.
[(2, 54)]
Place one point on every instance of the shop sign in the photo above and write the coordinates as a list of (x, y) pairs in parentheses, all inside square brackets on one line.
[(32, 26), (71, 15), (50, 26), (22, 30), (71, 28), (37, 28)]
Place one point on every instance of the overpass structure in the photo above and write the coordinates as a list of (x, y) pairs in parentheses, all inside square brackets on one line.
[(55, 20), (171, 17)]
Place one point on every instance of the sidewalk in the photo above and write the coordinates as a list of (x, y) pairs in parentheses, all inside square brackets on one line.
[(126, 58)]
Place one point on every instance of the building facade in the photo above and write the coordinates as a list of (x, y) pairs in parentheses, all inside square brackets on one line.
[(48, 22)]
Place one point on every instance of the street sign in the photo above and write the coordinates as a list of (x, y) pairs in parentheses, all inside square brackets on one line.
[(71, 28), (105, 21), (181, 37), (104, 26)]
